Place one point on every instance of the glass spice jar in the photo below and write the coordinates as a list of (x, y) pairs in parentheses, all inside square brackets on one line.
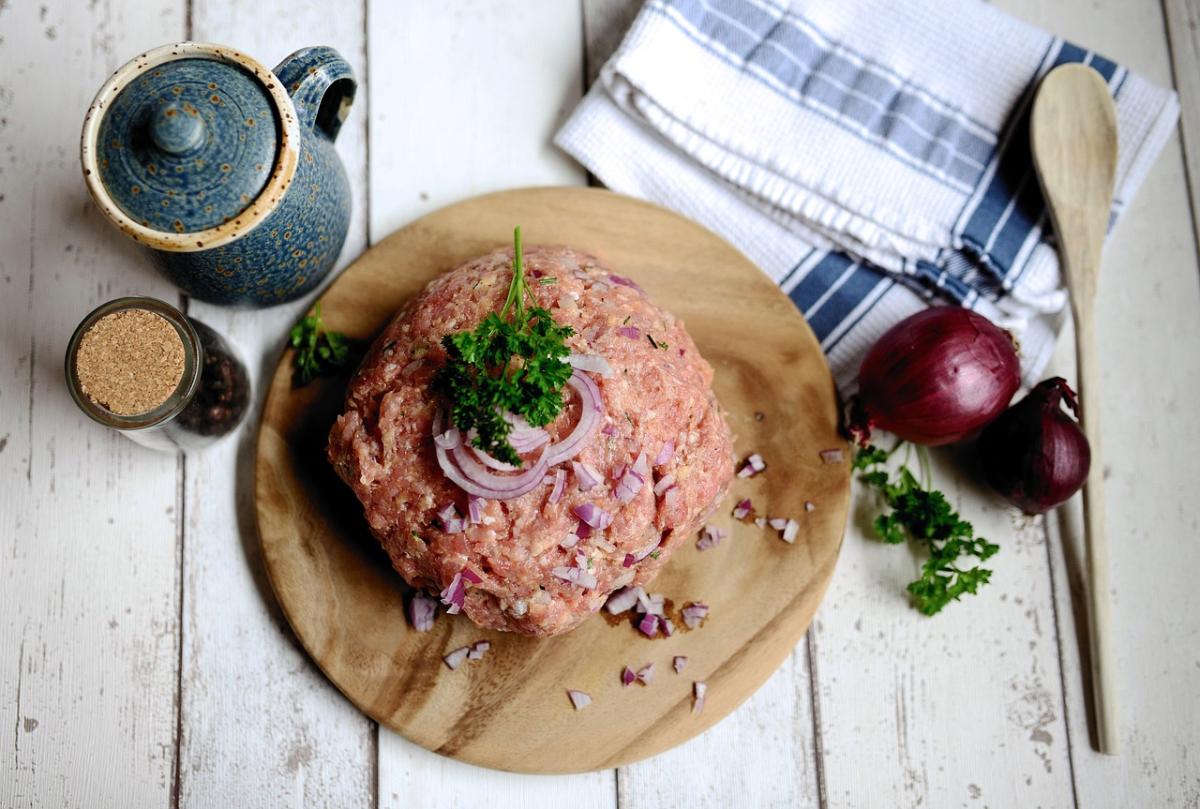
[(165, 380)]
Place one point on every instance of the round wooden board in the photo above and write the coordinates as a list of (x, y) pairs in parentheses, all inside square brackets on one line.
[(510, 710)]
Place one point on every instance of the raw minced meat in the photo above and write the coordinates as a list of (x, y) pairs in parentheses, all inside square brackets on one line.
[(660, 392)]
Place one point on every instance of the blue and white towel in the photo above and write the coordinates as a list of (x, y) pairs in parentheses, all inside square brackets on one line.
[(871, 156)]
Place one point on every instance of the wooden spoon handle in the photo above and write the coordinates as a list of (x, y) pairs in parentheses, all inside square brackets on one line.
[(1099, 620)]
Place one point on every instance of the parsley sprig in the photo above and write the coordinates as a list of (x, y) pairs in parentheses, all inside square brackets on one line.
[(318, 349), (924, 515), (513, 361)]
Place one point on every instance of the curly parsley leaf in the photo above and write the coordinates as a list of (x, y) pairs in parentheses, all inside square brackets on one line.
[(924, 515), (514, 361), (318, 350)]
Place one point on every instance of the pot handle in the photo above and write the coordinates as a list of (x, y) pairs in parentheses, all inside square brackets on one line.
[(322, 86)]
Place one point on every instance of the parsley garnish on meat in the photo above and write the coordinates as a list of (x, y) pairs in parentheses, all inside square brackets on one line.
[(318, 349), (513, 361), (923, 514)]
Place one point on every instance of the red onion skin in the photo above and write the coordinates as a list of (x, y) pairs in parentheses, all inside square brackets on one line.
[(936, 377), (1035, 455)]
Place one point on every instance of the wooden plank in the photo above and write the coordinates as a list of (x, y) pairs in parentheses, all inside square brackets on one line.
[(1150, 382), (1183, 32), (88, 592), (258, 718), (464, 100)]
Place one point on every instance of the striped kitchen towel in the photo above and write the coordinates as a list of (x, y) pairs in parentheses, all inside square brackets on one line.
[(871, 156)]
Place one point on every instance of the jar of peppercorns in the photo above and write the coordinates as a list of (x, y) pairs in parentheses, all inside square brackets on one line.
[(165, 380)]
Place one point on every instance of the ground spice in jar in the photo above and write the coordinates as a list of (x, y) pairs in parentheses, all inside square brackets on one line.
[(130, 362)]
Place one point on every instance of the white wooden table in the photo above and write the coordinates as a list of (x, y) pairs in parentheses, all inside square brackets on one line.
[(143, 661)]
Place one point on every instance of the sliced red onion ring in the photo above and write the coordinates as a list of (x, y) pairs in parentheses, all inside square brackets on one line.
[(623, 600), (585, 475), (591, 406), (456, 658), (590, 362), (627, 676), (645, 675), (449, 439), (632, 332), (648, 626), (834, 455), (679, 663), (790, 531), (694, 614), (664, 483), (666, 453), (560, 481), (698, 690), (478, 649), (579, 699), (492, 463), (754, 464), (473, 478), (422, 612)]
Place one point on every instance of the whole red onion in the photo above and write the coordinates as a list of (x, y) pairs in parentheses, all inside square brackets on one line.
[(936, 377), (1035, 455)]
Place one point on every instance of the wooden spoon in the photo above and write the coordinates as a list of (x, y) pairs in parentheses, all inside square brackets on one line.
[(1074, 135)]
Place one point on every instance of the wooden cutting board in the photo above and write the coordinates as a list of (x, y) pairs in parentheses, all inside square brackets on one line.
[(510, 710)]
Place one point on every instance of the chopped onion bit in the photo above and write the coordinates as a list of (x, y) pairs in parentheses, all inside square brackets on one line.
[(623, 600), (666, 453), (579, 699), (711, 537), (698, 689), (832, 455), (456, 658), (478, 649), (790, 531), (645, 675), (743, 509), (627, 676), (422, 611), (809, 505), (694, 614), (679, 662), (754, 464)]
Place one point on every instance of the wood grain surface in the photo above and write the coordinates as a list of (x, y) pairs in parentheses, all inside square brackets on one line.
[(510, 710)]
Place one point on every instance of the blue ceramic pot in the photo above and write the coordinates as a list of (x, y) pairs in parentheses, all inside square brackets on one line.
[(224, 169)]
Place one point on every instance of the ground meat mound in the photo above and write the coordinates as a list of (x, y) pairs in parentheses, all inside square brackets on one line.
[(659, 392)]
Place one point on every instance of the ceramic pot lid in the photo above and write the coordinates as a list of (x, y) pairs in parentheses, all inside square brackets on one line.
[(189, 145)]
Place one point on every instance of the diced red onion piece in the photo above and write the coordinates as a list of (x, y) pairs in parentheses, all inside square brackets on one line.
[(645, 675), (456, 658), (627, 676), (671, 497), (590, 362), (666, 626), (475, 509), (666, 453), (591, 515), (710, 537), (809, 505), (761, 522), (623, 281), (586, 579), (694, 614), (648, 626), (609, 430), (591, 405), (790, 531), (567, 574), (754, 464), (471, 576), (617, 472), (604, 545), (454, 594), (629, 560), (583, 530), (679, 662), (832, 455), (742, 510), (622, 600), (641, 466), (560, 481), (664, 483), (629, 485), (449, 439), (422, 611), (478, 649), (579, 699), (698, 690), (569, 542), (632, 332), (585, 475), (778, 523)]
